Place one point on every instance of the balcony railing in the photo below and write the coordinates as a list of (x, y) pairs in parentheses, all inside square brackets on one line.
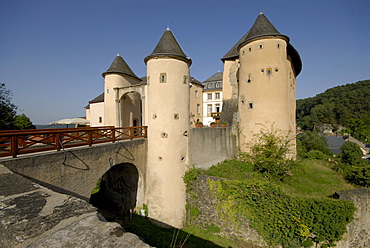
[(13, 143)]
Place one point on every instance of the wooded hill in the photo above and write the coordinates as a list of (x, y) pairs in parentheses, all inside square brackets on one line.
[(347, 105)]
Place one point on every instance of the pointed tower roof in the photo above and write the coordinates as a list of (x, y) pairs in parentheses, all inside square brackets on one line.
[(233, 52), (119, 66), (168, 47), (262, 27)]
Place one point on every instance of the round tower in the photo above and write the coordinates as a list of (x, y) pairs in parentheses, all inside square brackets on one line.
[(168, 108), (267, 82), (120, 112)]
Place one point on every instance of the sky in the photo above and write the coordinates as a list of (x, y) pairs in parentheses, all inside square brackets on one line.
[(52, 53)]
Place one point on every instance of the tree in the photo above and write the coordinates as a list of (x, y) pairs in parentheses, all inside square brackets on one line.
[(23, 122), (7, 109), (351, 154), (312, 141)]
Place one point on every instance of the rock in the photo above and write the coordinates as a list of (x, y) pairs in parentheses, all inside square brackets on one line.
[(34, 216)]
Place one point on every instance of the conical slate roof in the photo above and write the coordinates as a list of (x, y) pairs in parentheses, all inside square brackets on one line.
[(262, 27), (168, 47), (119, 66), (233, 52)]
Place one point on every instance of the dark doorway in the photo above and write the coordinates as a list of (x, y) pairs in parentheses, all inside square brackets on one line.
[(116, 196)]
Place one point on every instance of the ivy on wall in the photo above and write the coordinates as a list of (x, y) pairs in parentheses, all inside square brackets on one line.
[(279, 218)]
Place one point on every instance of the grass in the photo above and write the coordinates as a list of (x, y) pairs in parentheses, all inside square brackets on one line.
[(314, 179), (310, 178)]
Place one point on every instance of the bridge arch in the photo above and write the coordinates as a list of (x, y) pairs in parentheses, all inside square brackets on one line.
[(120, 192)]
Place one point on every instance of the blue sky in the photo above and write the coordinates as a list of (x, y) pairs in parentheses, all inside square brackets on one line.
[(52, 53)]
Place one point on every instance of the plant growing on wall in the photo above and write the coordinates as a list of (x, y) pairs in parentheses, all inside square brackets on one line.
[(280, 219)]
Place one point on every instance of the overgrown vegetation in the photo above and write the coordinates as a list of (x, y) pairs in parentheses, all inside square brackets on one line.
[(279, 218), (291, 205), (355, 169), (269, 153)]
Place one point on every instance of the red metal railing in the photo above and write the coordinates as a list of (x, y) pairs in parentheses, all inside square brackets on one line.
[(13, 143)]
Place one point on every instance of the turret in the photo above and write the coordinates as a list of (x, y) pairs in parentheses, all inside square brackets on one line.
[(267, 81), (120, 111), (168, 123)]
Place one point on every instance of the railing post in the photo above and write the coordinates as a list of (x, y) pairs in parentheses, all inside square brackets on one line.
[(57, 141), (89, 137), (14, 146), (113, 129), (131, 130), (145, 131)]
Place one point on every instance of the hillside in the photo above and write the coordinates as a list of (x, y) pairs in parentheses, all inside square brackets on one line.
[(339, 106)]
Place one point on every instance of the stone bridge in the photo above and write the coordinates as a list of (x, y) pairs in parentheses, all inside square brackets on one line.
[(120, 167)]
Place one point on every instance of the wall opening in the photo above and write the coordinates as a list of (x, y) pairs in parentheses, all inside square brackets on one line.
[(116, 193)]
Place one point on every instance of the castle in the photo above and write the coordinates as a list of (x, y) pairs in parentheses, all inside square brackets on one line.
[(258, 85)]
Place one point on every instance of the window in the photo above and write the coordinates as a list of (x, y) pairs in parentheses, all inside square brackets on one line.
[(107, 91), (260, 46), (249, 78), (209, 109), (217, 85), (185, 79), (268, 71), (100, 119), (218, 109), (210, 86), (209, 96), (198, 109), (196, 93), (217, 96), (278, 45), (163, 78), (250, 49), (250, 105)]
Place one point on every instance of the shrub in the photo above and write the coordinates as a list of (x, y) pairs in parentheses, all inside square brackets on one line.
[(269, 152), (311, 141), (351, 153)]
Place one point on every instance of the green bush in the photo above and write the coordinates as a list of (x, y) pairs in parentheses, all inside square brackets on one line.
[(351, 154), (269, 152), (359, 175), (311, 141)]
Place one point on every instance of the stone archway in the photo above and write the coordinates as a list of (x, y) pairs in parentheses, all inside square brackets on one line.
[(117, 195)]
